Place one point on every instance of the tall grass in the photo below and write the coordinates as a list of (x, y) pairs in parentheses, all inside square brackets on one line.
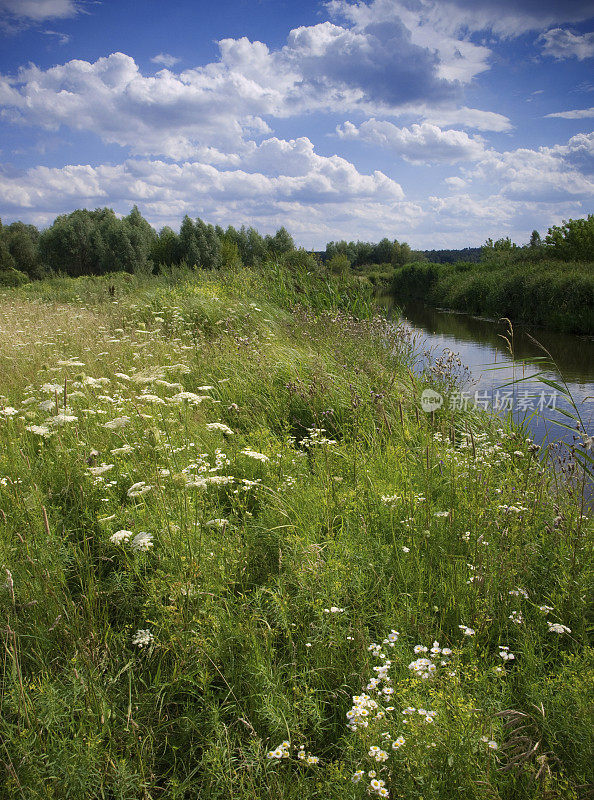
[(304, 523), (551, 294)]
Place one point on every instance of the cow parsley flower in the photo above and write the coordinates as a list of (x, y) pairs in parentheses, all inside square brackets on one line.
[(120, 536), (253, 454), (142, 542), (219, 426), (138, 489)]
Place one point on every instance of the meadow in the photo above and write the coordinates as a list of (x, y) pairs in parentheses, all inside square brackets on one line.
[(239, 560)]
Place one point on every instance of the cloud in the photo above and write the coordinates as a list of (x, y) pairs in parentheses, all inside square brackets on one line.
[(419, 144), (548, 174), (165, 59), (63, 38), (212, 110), (279, 180), (508, 18), (19, 13), (578, 113), (562, 44), (381, 62), (456, 183)]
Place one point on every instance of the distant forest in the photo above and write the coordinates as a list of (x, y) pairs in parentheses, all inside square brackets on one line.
[(99, 242)]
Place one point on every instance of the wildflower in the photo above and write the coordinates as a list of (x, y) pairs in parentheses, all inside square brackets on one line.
[(357, 776), (406, 549), (142, 638), (190, 397), (312, 760), (282, 751), (115, 424), (545, 609), (138, 489), (518, 592), (40, 430), (556, 627), (423, 667), (150, 398), (218, 426), (505, 654), (492, 745), (516, 617), (253, 454), (122, 450), (466, 630), (62, 419), (397, 743), (120, 536), (217, 523), (142, 542), (95, 471), (334, 610), (8, 411)]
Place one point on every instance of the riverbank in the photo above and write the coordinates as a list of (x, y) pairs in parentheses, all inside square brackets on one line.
[(242, 561), (547, 293)]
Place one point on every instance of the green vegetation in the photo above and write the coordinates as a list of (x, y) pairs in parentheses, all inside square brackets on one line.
[(548, 283), (240, 561)]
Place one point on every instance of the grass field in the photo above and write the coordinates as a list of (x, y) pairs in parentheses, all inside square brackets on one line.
[(239, 561)]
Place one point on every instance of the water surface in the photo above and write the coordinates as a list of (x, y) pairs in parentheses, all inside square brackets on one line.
[(480, 347)]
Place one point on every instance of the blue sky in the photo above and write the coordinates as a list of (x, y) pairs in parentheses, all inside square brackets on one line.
[(437, 122)]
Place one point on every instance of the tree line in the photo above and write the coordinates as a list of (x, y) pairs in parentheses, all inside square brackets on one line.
[(98, 242)]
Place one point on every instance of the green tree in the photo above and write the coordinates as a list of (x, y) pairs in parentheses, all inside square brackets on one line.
[(165, 247), (573, 240), (401, 253), (281, 242)]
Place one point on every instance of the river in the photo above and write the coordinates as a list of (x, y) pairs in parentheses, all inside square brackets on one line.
[(479, 344)]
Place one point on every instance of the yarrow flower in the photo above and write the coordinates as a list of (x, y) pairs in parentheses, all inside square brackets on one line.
[(142, 638)]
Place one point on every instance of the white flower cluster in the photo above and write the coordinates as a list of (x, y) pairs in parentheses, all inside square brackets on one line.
[(143, 638), (424, 667), (505, 654), (142, 542), (138, 489), (316, 438), (219, 426), (556, 627), (283, 751), (363, 707), (247, 451)]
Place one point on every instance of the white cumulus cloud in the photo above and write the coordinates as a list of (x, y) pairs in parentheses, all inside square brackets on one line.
[(424, 143)]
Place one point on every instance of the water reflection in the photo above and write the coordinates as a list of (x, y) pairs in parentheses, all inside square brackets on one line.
[(481, 348)]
